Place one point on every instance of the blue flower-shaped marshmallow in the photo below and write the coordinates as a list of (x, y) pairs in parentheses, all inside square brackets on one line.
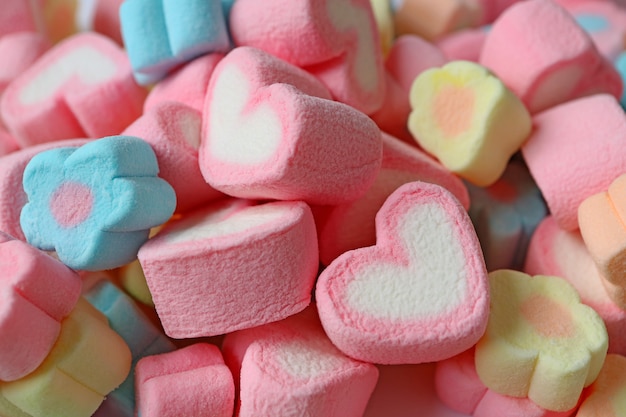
[(95, 204)]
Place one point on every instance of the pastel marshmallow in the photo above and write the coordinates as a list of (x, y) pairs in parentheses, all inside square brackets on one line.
[(88, 361), (19, 16), (20, 50), (384, 21), (159, 35), (605, 22), (432, 20), (280, 137), (505, 216), (230, 266), (173, 130), (12, 195), (127, 320), (132, 279), (411, 55), (187, 85), (420, 294), (541, 341), (463, 45), (458, 386), (8, 143), (554, 251), (190, 382), (95, 204), (606, 395), (352, 225), (553, 57), (568, 144), (468, 119), (336, 40), (37, 293), (291, 368), (56, 97), (105, 19), (601, 221)]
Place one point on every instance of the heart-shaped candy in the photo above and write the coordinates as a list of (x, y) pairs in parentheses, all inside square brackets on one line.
[(420, 294)]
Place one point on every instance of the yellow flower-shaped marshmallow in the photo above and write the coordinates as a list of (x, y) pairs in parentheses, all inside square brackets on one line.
[(468, 119), (541, 342)]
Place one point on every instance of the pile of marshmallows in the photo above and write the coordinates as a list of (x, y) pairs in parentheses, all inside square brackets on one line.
[(218, 208)]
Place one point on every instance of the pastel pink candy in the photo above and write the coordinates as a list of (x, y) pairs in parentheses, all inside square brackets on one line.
[(610, 39), (189, 382), (106, 19), (188, 85), (19, 51), (82, 87), (336, 40), (492, 9), (352, 225), (539, 51), (290, 368), (420, 294), (7, 143), (465, 45), (554, 251), (36, 293), (393, 115), (576, 150), (12, 195), (409, 56), (230, 266), (458, 386), (270, 131), (18, 16), (173, 130)]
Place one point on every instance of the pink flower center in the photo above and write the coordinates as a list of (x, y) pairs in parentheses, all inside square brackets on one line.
[(71, 204)]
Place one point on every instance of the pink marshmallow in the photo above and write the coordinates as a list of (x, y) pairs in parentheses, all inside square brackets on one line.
[(465, 45), (19, 51), (190, 382), (554, 251), (106, 19), (36, 293), (352, 225), (82, 87), (12, 195), (8, 143), (393, 115), (188, 85), (576, 150), (608, 37), (539, 51), (459, 387), (19, 16), (270, 132), (231, 266), (336, 40), (173, 131), (420, 295), (291, 368), (409, 56)]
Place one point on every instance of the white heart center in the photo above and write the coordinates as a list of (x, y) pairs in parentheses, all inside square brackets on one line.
[(86, 63), (434, 281), (238, 132)]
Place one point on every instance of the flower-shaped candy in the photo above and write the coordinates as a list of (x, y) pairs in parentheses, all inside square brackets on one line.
[(95, 204), (541, 342)]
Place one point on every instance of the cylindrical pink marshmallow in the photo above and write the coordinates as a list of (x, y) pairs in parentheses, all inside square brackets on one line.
[(19, 51), (576, 150), (230, 266), (270, 132), (82, 87), (187, 85), (173, 130)]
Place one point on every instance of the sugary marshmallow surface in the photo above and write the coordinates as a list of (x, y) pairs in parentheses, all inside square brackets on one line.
[(420, 294)]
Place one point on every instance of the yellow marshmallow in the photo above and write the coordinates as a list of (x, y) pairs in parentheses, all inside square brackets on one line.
[(468, 119)]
